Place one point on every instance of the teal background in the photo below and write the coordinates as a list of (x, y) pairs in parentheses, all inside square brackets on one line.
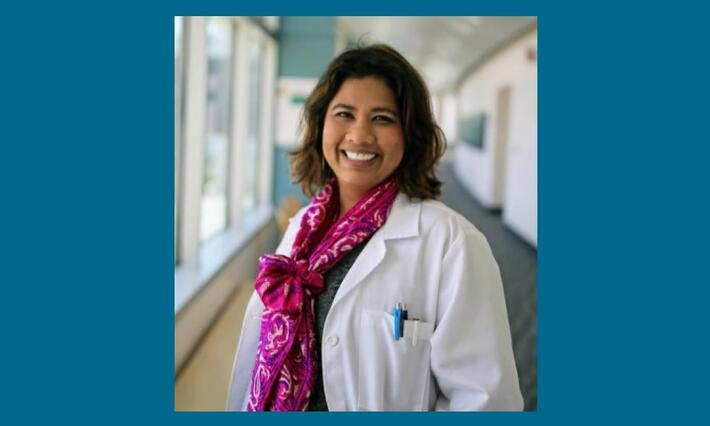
[(86, 175), (307, 44)]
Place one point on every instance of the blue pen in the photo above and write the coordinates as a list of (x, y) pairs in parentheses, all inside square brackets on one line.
[(397, 318)]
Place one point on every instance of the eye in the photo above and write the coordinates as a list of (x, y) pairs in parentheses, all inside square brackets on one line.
[(344, 114), (383, 119)]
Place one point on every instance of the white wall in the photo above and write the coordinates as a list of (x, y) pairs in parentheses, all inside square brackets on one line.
[(447, 118), (288, 112), (514, 189)]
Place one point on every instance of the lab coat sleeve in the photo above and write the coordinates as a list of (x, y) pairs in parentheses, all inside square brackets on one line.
[(245, 356), (471, 350), (249, 335)]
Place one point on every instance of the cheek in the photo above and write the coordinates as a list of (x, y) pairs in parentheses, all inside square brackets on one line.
[(330, 134), (395, 146)]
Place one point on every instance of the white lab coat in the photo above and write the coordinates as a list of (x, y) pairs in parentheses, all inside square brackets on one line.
[(437, 263)]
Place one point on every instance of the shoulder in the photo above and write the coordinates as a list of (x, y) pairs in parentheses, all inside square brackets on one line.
[(438, 229), (296, 219), (294, 224), (438, 218)]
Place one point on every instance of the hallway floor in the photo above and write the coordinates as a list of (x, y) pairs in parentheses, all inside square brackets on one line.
[(518, 265)]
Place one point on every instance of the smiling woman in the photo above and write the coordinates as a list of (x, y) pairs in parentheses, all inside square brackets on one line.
[(378, 297)]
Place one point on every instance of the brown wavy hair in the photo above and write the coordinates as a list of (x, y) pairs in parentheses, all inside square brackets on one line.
[(424, 142)]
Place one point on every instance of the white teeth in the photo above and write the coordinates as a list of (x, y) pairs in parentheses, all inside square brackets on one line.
[(357, 156)]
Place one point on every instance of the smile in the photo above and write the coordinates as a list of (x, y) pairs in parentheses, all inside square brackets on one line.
[(359, 156)]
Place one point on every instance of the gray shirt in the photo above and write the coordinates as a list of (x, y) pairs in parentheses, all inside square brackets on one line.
[(333, 278)]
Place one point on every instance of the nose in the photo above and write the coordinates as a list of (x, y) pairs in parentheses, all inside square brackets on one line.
[(361, 133)]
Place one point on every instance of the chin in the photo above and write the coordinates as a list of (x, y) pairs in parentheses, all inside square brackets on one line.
[(358, 181)]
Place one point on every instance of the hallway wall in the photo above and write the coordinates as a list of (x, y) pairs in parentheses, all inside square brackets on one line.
[(506, 179)]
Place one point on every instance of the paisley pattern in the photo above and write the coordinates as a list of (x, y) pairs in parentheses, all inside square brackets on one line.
[(284, 373)]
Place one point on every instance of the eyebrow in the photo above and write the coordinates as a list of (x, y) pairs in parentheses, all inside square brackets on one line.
[(377, 109)]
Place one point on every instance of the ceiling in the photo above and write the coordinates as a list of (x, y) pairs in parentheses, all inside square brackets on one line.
[(441, 48)]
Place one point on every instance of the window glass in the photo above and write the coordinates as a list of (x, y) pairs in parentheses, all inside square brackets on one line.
[(214, 184), (178, 121), (251, 152)]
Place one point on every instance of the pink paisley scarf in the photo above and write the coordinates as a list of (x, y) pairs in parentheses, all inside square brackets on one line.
[(285, 370)]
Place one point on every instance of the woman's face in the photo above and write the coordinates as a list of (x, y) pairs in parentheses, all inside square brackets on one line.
[(363, 140)]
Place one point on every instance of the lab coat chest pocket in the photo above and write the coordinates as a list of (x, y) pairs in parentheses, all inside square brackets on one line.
[(392, 375)]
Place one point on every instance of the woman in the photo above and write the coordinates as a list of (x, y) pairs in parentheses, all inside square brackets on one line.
[(379, 297)]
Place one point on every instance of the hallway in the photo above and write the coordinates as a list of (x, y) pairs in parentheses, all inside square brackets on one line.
[(518, 265)]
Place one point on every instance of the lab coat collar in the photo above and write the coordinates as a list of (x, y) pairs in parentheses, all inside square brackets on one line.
[(403, 220)]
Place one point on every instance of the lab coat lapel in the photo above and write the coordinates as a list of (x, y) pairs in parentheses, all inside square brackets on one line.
[(403, 222)]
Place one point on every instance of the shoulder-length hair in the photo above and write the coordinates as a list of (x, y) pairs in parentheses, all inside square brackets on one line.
[(424, 142)]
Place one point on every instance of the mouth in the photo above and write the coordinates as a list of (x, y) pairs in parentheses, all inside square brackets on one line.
[(359, 159)]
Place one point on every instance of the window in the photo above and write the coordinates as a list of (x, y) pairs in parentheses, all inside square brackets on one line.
[(224, 67), (224, 92), (216, 153), (178, 121)]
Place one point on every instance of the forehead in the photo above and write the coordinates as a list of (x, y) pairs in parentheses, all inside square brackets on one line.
[(365, 92)]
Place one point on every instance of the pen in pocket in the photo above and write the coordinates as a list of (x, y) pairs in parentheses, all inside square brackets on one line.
[(397, 317), (400, 315)]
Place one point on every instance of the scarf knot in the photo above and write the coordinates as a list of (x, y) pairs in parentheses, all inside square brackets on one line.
[(284, 284)]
